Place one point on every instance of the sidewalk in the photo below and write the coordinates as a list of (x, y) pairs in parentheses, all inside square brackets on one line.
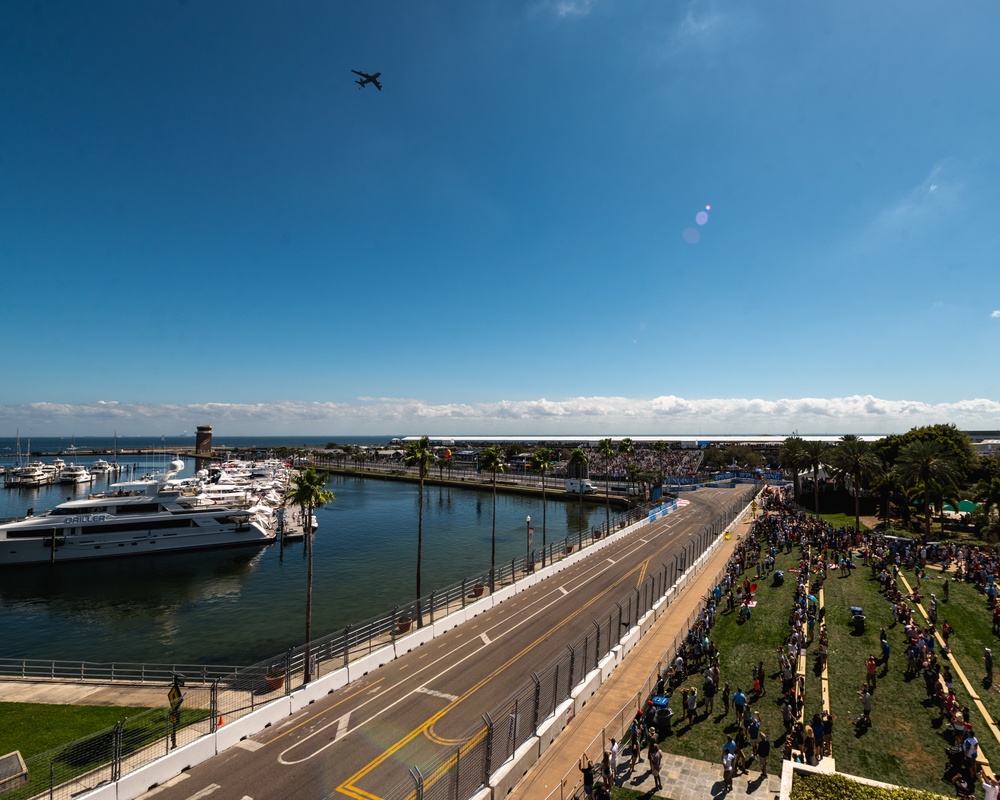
[(683, 778)]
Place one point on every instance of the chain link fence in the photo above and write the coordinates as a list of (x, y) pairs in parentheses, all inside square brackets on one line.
[(456, 773)]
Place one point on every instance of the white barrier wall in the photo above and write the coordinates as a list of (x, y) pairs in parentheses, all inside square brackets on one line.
[(229, 734)]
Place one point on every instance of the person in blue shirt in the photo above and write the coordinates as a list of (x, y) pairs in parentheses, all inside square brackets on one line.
[(739, 703)]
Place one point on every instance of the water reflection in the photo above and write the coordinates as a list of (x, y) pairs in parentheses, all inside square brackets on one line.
[(239, 606)]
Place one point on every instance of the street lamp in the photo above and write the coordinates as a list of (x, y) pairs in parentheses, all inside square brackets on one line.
[(527, 553)]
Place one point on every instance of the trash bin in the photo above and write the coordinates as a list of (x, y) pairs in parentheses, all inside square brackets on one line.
[(779, 577), (662, 714), (858, 615)]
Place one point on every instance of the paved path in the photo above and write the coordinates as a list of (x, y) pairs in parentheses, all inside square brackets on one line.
[(683, 778)]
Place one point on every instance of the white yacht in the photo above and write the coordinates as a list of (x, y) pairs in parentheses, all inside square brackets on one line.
[(134, 518), (75, 473), (100, 466)]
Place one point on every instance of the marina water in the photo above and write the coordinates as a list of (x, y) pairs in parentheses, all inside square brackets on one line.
[(237, 606)]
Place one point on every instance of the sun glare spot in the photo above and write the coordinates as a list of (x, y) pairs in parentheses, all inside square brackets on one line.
[(701, 217)]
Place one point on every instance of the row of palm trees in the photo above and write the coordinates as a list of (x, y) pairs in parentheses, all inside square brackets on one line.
[(924, 468)]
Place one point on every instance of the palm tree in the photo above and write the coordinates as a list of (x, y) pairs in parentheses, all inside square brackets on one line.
[(626, 447), (493, 460), (309, 492), (606, 450), (541, 462), (921, 464), (419, 454), (988, 493), (813, 453), (577, 465), (854, 459), (791, 455)]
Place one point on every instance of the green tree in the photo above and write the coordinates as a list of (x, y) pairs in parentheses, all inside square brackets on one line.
[(814, 452), (494, 461), (791, 456), (988, 494), (606, 450), (578, 464), (921, 464), (309, 492), (541, 462), (626, 449), (420, 455), (854, 461)]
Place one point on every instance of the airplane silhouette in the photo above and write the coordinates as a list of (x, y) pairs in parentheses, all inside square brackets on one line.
[(366, 78)]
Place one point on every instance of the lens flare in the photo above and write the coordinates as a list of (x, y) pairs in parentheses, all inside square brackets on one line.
[(701, 217)]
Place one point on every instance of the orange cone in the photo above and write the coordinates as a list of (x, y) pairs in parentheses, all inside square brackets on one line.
[(221, 723)]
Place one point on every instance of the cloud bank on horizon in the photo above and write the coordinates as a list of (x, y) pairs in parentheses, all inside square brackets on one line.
[(667, 415)]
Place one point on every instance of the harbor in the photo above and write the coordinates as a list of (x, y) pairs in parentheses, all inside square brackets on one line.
[(234, 606)]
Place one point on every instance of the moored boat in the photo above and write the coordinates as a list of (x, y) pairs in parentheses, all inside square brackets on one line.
[(133, 518)]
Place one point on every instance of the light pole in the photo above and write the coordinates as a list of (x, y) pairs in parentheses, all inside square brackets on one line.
[(527, 539)]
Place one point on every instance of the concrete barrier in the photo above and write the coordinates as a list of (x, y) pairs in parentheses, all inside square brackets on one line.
[(509, 775), (451, 621), (610, 662), (308, 694), (549, 730), (630, 640), (361, 667), (413, 640), (585, 690), (163, 769)]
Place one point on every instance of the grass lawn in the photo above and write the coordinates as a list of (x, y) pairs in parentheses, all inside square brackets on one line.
[(906, 743), (967, 613), (741, 646), (35, 728), (42, 732), (841, 520)]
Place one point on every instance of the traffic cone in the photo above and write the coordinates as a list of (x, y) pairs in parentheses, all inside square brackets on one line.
[(221, 723)]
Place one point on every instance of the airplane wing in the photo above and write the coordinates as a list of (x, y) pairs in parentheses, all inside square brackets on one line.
[(377, 84), (359, 73)]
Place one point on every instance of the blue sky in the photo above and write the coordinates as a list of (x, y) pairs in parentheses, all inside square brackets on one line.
[(203, 220)]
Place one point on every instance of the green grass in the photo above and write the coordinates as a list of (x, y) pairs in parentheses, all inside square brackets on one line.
[(66, 741), (741, 646), (966, 611), (35, 728), (905, 744), (841, 520)]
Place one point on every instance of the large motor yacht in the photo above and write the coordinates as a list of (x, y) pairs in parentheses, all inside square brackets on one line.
[(133, 518)]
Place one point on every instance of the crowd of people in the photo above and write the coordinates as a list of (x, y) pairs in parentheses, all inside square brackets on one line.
[(698, 686)]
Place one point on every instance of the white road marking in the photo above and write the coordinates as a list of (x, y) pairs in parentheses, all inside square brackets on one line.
[(449, 697), (249, 745), (340, 722), (485, 638), (205, 792), (564, 590)]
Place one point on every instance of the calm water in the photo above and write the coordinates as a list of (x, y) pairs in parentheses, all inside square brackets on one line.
[(236, 607)]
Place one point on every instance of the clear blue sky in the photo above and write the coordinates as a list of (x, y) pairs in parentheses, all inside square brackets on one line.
[(203, 220)]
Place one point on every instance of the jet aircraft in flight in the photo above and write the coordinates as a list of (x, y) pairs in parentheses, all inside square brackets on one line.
[(366, 78)]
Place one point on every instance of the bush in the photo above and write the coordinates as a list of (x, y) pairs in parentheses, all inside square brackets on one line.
[(837, 787)]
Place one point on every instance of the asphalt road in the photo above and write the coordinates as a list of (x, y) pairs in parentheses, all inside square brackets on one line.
[(360, 741)]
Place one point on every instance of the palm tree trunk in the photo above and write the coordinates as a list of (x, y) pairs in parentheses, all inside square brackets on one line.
[(309, 591), (816, 491), (493, 539), (420, 548)]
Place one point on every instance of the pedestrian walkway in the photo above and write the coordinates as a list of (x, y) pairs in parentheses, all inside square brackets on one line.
[(683, 778)]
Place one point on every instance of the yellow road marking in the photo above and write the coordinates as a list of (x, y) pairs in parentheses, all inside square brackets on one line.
[(348, 787), (326, 711)]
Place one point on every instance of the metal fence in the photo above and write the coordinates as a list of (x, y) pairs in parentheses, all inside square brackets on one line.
[(455, 774), (516, 720)]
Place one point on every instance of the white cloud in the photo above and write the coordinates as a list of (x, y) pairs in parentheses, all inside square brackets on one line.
[(576, 415), (937, 196), (995, 314)]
